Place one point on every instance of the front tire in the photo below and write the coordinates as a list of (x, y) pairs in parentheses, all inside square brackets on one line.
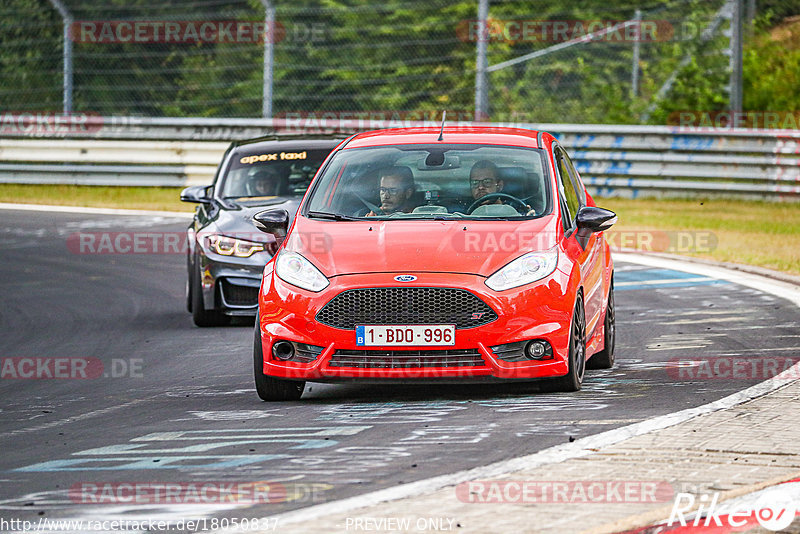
[(573, 380), (605, 358), (267, 387), (189, 293)]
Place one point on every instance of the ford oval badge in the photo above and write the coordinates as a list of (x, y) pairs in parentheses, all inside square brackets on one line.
[(405, 278)]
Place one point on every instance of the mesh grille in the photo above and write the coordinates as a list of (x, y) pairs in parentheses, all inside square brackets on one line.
[(304, 353), (406, 359), (239, 295), (406, 305)]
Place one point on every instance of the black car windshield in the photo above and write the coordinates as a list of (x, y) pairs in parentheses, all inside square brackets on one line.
[(433, 182), (271, 173)]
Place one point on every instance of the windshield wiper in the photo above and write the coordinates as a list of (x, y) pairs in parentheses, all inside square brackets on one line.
[(330, 216)]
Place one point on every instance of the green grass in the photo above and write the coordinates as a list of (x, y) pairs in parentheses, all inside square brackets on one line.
[(142, 198), (766, 234)]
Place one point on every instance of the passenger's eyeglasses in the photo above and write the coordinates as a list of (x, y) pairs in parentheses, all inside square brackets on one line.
[(390, 191), (487, 182)]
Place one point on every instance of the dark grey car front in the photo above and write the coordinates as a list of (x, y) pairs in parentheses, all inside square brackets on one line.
[(226, 254)]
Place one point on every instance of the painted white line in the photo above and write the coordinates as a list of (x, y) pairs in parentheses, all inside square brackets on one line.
[(92, 211), (74, 418), (662, 281), (778, 288), (590, 444)]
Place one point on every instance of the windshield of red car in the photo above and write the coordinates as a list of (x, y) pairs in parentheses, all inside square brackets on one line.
[(438, 181)]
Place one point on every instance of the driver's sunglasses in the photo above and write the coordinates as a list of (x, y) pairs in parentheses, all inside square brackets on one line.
[(487, 182), (390, 191)]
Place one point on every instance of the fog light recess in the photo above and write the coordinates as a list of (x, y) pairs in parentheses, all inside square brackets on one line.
[(283, 350), (539, 349)]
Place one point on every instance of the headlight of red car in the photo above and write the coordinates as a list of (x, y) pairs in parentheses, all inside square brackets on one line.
[(293, 268), (529, 268)]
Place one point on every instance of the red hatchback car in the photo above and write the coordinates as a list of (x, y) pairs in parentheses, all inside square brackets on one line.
[(461, 254)]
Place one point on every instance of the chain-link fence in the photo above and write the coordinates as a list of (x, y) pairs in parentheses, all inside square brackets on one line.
[(242, 58), (623, 74)]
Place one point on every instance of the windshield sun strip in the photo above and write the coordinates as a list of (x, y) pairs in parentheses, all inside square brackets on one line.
[(466, 147)]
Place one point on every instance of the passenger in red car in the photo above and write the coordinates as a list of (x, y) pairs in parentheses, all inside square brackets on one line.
[(397, 188)]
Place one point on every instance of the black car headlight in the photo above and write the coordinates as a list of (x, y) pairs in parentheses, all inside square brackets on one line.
[(231, 246)]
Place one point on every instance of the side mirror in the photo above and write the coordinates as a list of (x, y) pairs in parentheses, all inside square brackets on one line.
[(199, 194), (275, 222), (594, 219), (590, 220)]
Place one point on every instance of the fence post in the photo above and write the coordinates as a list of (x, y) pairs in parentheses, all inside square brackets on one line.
[(67, 87), (482, 63), (269, 55), (736, 61), (636, 51)]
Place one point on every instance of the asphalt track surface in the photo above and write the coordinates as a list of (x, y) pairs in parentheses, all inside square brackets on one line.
[(173, 403)]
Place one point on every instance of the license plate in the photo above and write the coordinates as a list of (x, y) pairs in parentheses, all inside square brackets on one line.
[(415, 335)]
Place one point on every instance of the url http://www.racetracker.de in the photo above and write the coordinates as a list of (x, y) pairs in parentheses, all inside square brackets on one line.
[(44, 524)]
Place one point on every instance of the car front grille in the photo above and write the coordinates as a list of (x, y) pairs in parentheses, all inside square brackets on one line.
[(236, 295), (406, 359), (405, 306)]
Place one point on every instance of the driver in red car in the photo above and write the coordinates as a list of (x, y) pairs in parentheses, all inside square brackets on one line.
[(484, 179)]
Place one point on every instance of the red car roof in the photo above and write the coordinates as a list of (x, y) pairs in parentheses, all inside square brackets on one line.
[(452, 135)]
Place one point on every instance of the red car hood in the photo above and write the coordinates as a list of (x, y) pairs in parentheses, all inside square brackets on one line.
[(468, 247)]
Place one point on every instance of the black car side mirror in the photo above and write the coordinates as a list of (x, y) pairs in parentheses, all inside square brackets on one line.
[(590, 220), (199, 194), (275, 222), (595, 219)]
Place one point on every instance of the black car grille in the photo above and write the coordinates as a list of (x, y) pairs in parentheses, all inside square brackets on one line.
[(235, 295), (405, 305), (406, 359)]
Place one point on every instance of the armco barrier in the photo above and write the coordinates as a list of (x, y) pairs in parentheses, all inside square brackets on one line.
[(613, 160)]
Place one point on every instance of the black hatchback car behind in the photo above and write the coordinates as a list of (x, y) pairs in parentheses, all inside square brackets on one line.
[(226, 254)]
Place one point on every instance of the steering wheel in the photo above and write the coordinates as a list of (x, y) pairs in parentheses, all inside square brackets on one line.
[(520, 204)]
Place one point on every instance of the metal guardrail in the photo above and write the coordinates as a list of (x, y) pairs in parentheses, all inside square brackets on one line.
[(630, 160), (121, 175)]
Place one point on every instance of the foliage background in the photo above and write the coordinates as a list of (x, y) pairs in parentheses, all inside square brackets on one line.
[(396, 55)]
